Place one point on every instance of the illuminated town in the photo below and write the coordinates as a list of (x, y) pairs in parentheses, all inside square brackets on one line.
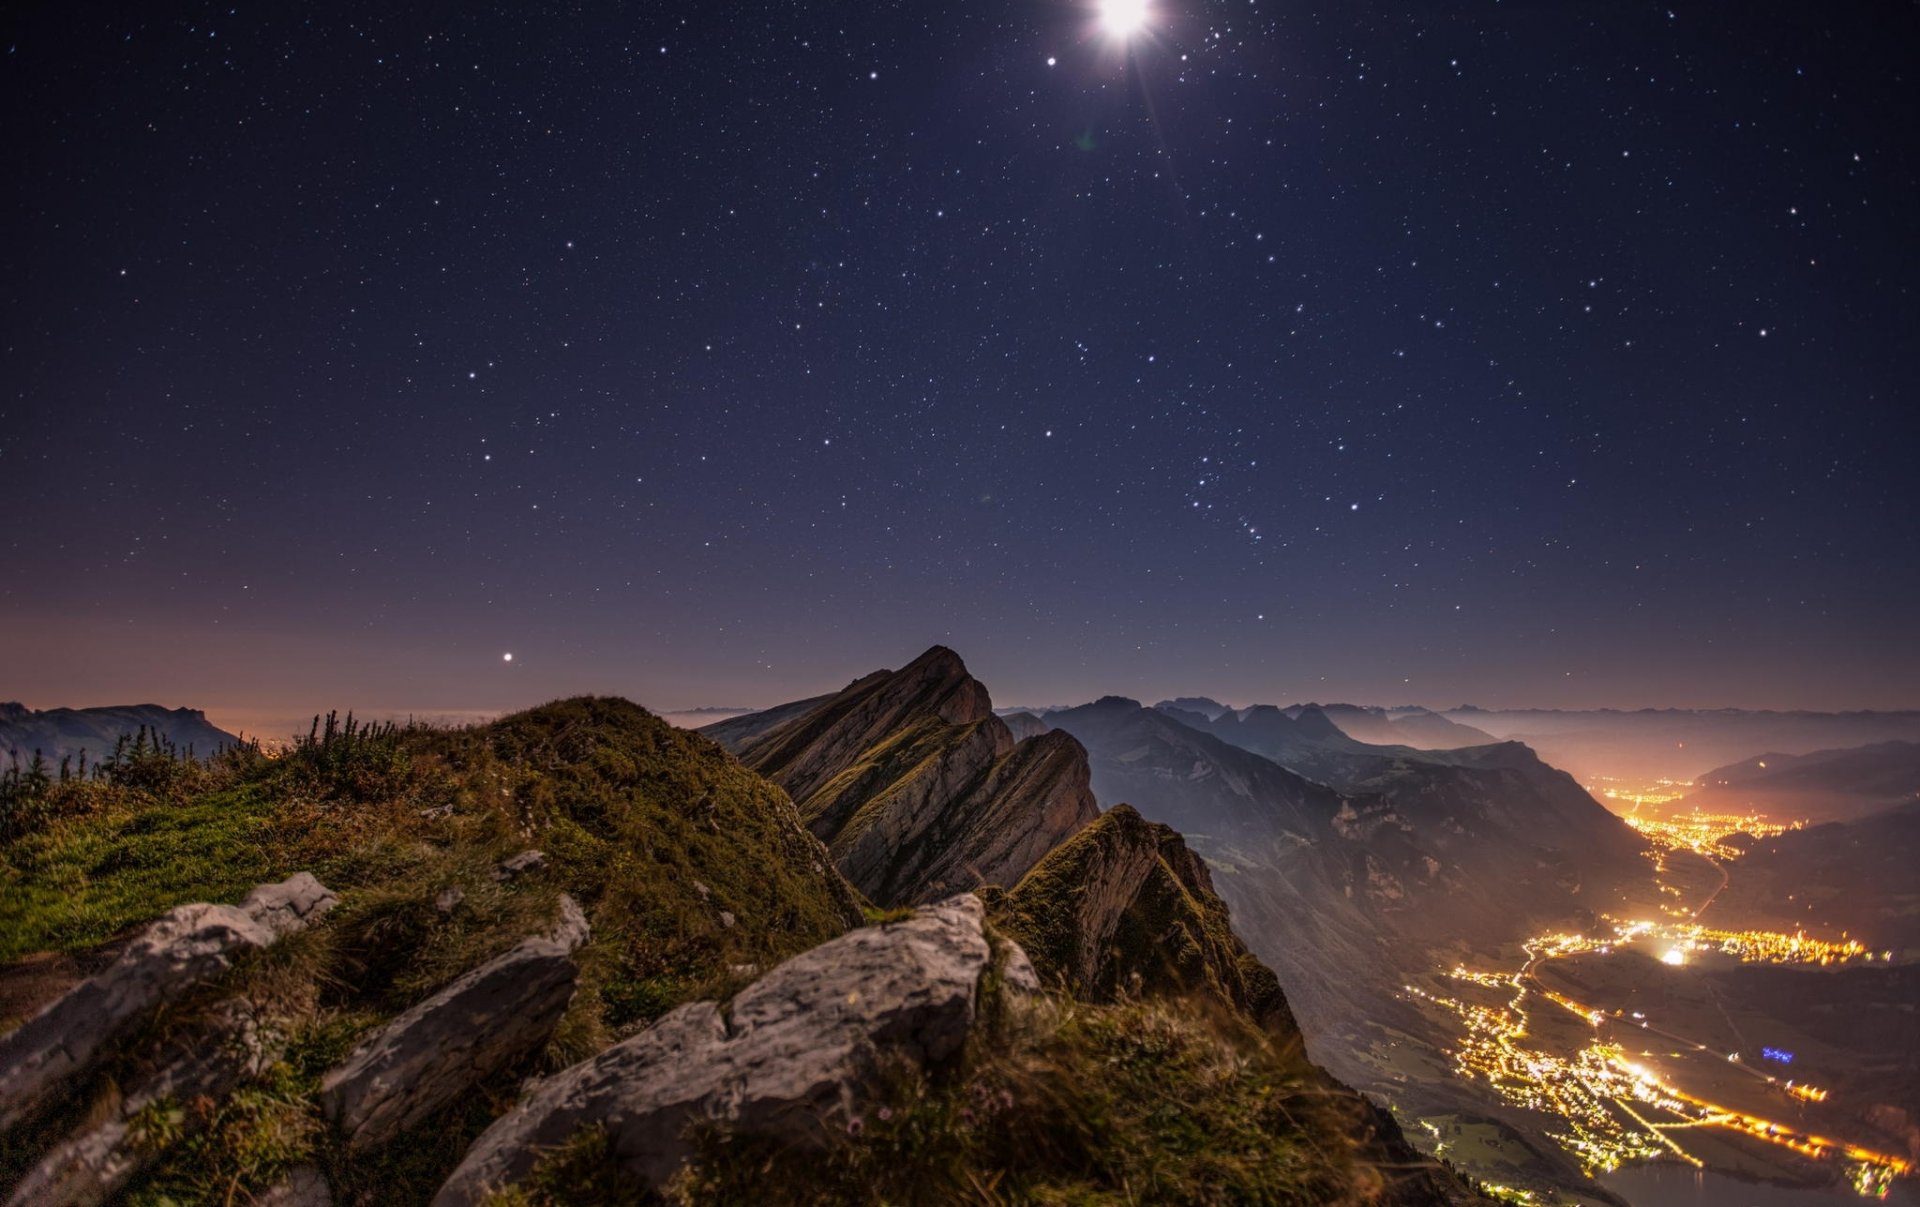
[(1617, 1110)]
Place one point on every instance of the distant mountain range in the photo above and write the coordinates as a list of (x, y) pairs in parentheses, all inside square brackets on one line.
[(1826, 785), (1680, 743), (59, 733)]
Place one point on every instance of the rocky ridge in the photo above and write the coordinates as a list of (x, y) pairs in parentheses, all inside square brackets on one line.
[(916, 787)]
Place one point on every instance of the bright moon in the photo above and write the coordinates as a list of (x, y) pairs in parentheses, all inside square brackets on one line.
[(506, 657), (1123, 17)]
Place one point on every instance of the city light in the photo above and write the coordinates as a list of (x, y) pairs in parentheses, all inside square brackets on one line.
[(1615, 1109)]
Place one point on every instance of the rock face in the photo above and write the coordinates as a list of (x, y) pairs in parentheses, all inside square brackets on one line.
[(915, 786), (484, 1021), (792, 1057), (190, 945), (207, 1061), (1125, 905)]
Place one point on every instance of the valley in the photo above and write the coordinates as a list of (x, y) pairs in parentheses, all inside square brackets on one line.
[(1640, 1040)]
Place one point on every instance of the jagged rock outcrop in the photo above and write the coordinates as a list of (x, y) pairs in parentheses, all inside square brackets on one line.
[(1125, 905), (189, 946), (484, 1021), (916, 787), (791, 1057), (206, 1061)]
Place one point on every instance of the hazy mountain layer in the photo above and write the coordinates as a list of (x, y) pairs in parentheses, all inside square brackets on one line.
[(59, 733), (1680, 743), (1826, 785)]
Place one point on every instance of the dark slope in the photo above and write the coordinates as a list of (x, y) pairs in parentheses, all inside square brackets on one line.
[(738, 730), (59, 733), (1501, 792), (1124, 906), (1826, 785), (916, 787), (1858, 877), (1341, 890)]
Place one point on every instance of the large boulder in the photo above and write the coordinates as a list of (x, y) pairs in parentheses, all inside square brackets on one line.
[(489, 1018), (203, 1061), (189, 946), (794, 1056)]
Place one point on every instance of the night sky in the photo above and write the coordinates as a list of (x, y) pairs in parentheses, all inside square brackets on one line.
[(1520, 353)]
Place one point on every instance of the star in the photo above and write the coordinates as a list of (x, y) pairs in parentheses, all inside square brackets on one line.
[(1123, 18)]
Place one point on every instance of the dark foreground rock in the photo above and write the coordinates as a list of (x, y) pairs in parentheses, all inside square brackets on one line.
[(487, 1019), (205, 1061), (791, 1057)]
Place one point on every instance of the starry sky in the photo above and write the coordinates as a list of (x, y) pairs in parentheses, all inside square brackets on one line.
[(1524, 353)]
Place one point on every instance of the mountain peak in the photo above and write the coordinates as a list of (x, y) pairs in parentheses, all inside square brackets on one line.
[(1315, 723)]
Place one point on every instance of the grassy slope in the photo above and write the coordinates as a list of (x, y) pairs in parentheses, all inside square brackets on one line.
[(654, 830), (1137, 1101)]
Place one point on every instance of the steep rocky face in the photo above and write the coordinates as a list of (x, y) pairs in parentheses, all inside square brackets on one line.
[(915, 786), (806, 754), (1125, 906)]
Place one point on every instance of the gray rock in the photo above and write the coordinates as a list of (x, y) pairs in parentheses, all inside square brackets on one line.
[(797, 1055), (490, 1017), (288, 906), (449, 900), (304, 1186), (520, 865), (189, 946), (205, 1061), (1017, 974)]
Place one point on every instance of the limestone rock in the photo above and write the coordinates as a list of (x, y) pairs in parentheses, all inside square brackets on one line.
[(520, 865), (797, 1054), (487, 1019), (206, 1061), (190, 945), (288, 906)]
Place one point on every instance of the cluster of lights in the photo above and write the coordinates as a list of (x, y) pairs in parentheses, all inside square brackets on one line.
[(1658, 793), (1597, 1089), (1706, 833)]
